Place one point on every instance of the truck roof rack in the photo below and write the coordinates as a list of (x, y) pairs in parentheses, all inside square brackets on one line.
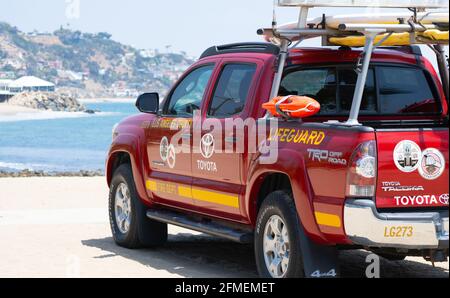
[(255, 47), (364, 3), (415, 26)]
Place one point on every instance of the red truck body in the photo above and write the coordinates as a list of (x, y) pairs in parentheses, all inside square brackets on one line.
[(233, 191)]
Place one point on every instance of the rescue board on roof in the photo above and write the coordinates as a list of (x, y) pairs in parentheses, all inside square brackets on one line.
[(394, 39), (333, 22), (414, 22), (366, 3)]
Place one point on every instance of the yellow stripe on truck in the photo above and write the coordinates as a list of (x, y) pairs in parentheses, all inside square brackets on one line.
[(327, 219), (214, 197), (151, 185), (196, 194), (184, 191)]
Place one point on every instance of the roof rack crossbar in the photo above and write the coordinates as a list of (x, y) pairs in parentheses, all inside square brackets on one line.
[(255, 47)]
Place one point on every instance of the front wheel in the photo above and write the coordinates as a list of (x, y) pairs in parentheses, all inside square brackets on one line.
[(277, 244), (127, 214)]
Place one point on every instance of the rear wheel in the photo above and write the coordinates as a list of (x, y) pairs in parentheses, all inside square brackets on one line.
[(392, 257), (277, 244), (127, 214)]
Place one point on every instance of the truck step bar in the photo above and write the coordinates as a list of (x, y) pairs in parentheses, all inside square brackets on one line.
[(207, 227)]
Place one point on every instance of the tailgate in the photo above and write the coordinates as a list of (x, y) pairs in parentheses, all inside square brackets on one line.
[(412, 168)]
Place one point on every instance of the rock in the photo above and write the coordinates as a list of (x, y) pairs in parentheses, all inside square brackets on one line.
[(52, 101), (90, 111), (29, 173)]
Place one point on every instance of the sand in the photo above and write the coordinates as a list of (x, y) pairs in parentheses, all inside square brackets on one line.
[(10, 110), (58, 227)]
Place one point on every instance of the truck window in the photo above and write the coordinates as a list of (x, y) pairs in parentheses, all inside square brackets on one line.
[(332, 87), (232, 90), (317, 83), (405, 90), (188, 95), (347, 82), (401, 90)]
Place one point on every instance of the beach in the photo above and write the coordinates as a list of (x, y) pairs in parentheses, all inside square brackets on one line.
[(10, 110), (65, 222)]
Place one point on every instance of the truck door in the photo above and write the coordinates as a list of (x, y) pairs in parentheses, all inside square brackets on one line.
[(217, 179), (169, 140)]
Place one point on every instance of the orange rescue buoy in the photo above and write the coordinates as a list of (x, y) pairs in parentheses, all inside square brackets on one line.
[(294, 106)]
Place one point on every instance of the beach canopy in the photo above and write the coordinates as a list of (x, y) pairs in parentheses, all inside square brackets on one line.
[(30, 81)]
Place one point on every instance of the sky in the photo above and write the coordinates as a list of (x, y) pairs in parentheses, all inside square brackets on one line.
[(188, 25)]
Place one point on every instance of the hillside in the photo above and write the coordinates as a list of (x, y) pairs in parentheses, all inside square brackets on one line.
[(86, 64)]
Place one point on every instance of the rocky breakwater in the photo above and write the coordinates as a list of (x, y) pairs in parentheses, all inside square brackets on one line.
[(31, 173), (49, 101)]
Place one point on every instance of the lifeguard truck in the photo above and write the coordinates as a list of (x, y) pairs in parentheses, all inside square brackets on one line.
[(352, 143)]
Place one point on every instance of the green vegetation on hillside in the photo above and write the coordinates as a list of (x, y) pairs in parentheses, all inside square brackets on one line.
[(87, 61)]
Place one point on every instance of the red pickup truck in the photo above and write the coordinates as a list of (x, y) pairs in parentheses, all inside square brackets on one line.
[(382, 185)]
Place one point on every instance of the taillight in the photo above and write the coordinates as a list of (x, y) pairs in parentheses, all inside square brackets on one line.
[(362, 174)]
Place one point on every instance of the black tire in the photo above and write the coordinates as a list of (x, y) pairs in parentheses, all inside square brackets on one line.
[(280, 203), (142, 231), (392, 257)]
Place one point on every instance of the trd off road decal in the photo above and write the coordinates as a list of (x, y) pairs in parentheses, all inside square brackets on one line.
[(332, 157), (207, 148), (407, 155), (432, 165)]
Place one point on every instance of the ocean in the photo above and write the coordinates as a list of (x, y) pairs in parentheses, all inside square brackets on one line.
[(60, 142)]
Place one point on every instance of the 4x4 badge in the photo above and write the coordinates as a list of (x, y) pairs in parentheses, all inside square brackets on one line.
[(407, 156)]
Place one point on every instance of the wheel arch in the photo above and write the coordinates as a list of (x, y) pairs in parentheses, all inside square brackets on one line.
[(289, 170), (126, 148)]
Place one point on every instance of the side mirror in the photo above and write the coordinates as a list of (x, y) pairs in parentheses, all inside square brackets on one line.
[(148, 103)]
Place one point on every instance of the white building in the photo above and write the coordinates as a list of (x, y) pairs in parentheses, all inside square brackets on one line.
[(4, 87), (30, 83)]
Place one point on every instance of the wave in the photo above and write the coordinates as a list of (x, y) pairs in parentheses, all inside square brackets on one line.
[(49, 115), (17, 166), (15, 159)]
